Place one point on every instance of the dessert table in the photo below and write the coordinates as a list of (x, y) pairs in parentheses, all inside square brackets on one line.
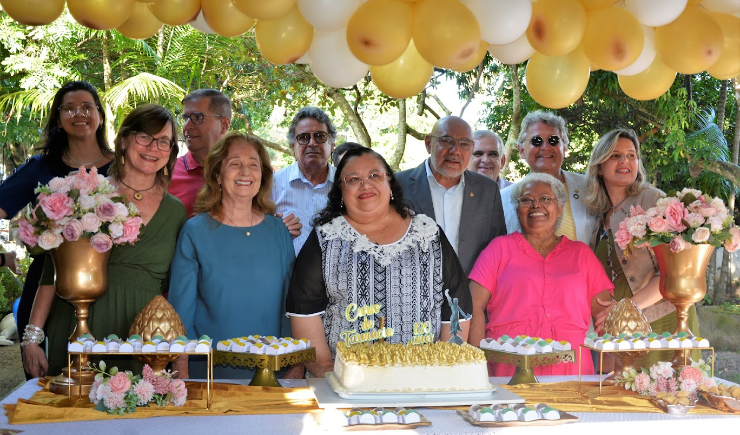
[(444, 421)]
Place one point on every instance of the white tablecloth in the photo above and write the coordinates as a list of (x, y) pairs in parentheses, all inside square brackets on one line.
[(443, 422)]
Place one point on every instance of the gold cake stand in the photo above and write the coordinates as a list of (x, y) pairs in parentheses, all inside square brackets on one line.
[(629, 352), (525, 363), (209, 375), (266, 365)]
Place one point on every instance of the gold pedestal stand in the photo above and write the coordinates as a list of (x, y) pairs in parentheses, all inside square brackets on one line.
[(266, 365), (525, 363)]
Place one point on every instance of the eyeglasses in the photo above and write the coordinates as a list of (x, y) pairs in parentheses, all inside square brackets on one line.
[(318, 137), (355, 181), (84, 109), (538, 141), (449, 142), (528, 201), (197, 117), (163, 144)]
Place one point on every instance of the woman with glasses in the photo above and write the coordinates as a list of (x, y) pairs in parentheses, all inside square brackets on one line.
[(74, 136), (535, 282), (145, 149), (367, 252), (233, 259), (616, 182)]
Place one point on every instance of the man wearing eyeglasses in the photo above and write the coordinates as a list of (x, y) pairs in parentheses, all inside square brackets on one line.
[(488, 156), (465, 204), (542, 143), (206, 118), (302, 187)]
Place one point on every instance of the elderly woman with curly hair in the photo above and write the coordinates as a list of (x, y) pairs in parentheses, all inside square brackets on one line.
[(367, 249)]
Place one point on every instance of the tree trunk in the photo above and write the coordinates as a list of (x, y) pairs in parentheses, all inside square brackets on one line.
[(724, 280), (736, 139), (689, 88), (354, 120), (721, 103), (400, 147), (516, 116), (728, 170), (711, 275), (107, 80)]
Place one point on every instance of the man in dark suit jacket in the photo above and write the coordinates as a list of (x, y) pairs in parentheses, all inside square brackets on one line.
[(466, 205)]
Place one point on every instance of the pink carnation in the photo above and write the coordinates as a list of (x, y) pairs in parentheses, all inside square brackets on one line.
[(689, 372), (120, 383), (101, 242), (59, 184), (678, 244), (57, 205), (73, 230), (106, 211), (689, 385), (144, 391), (131, 229), (26, 233), (658, 225), (674, 214), (732, 244), (623, 237), (113, 400), (94, 393), (642, 382), (701, 235)]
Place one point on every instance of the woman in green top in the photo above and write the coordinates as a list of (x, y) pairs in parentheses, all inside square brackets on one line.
[(616, 181), (146, 150)]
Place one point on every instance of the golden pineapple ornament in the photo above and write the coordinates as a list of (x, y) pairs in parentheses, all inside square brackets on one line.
[(157, 318), (626, 318)]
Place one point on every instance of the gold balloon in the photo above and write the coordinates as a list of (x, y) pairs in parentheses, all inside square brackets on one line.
[(264, 10), (592, 5), (691, 43), (475, 60), (557, 26), (225, 19), (380, 30), (446, 32), (728, 64), (141, 24), (613, 38), (286, 39), (147, 1), (556, 82), (33, 12), (405, 76), (100, 14), (176, 12), (649, 84), (694, 3)]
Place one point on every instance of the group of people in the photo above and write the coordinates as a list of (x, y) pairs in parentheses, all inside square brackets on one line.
[(240, 250)]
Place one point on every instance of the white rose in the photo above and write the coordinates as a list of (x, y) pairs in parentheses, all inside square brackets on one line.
[(90, 222), (716, 223), (701, 235), (115, 229), (86, 202), (50, 240), (121, 211)]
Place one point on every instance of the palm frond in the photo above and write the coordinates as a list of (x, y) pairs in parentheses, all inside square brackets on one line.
[(143, 87), (36, 101)]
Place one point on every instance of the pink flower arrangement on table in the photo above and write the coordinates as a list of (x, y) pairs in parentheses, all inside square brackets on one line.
[(683, 219), (120, 393), (662, 377), (78, 205)]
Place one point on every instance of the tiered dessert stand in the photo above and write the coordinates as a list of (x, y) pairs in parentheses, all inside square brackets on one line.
[(266, 365), (525, 363)]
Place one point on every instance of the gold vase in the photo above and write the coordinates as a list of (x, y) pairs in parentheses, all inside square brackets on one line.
[(683, 282), (81, 276)]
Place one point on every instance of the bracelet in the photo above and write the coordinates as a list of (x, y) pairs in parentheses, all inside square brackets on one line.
[(32, 334), (2, 259)]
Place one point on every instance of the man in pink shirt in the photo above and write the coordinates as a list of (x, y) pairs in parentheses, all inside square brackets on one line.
[(206, 118)]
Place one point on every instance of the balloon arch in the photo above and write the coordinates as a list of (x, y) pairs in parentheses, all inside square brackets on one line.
[(400, 41)]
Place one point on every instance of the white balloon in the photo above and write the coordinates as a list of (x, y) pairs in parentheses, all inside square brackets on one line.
[(501, 21), (513, 53), (199, 23), (331, 60), (646, 57), (731, 7), (328, 14), (303, 60), (655, 12)]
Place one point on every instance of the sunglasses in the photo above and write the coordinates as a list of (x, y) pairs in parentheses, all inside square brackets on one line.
[(538, 141), (319, 137)]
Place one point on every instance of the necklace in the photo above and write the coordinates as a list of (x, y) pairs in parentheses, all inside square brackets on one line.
[(545, 248), (76, 163), (137, 193), (614, 207), (251, 223), (381, 233)]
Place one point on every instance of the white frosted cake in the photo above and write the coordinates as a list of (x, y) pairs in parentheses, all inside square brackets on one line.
[(383, 367)]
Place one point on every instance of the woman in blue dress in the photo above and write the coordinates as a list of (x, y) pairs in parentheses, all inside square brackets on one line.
[(233, 260), (74, 136)]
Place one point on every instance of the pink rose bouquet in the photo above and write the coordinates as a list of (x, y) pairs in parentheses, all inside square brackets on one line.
[(682, 219), (662, 377), (82, 204), (120, 393)]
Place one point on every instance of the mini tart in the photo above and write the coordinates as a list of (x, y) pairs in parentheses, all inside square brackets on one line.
[(113, 346), (177, 346), (528, 414), (148, 347), (163, 346), (126, 347), (508, 414), (190, 345), (487, 414), (99, 346), (410, 416), (76, 346), (388, 416)]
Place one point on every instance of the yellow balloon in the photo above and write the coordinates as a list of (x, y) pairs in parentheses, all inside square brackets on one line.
[(693, 3), (286, 39), (649, 84), (691, 43), (446, 33), (147, 1), (475, 60), (225, 19), (592, 5), (405, 76), (728, 64), (100, 14), (264, 10), (557, 82), (141, 24), (380, 30), (613, 38), (176, 12), (557, 26), (33, 12)]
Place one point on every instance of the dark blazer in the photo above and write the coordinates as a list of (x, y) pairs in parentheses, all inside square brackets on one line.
[(482, 216)]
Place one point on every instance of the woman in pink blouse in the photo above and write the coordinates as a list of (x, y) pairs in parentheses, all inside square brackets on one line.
[(535, 282)]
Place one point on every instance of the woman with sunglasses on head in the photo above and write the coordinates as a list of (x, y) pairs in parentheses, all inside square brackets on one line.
[(367, 248), (536, 282), (146, 149), (74, 136), (616, 182)]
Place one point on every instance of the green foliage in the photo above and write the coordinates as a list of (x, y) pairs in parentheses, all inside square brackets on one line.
[(10, 290)]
